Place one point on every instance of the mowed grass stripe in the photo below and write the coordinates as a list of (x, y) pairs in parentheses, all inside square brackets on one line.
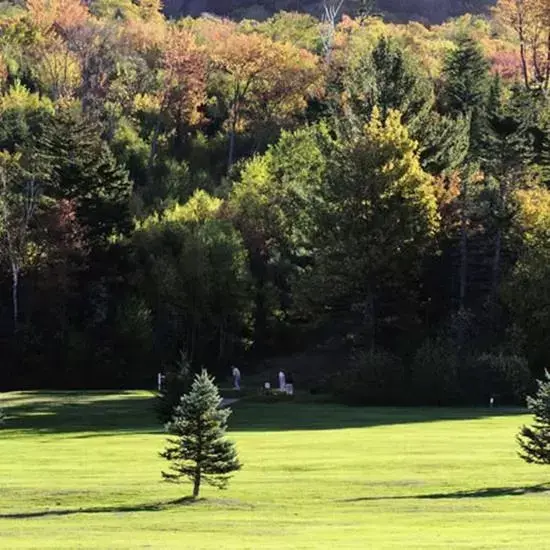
[(81, 470)]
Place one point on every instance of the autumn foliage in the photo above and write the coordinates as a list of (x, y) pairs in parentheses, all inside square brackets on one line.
[(227, 190)]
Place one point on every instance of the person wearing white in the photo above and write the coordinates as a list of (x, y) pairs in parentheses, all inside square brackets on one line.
[(236, 378), (282, 380)]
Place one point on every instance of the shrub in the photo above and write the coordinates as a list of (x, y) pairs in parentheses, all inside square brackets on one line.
[(434, 373), (270, 396), (375, 378), (507, 378)]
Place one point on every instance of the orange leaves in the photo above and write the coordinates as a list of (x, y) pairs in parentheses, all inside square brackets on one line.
[(184, 64), (3, 71), (145, 36), (62, 15)]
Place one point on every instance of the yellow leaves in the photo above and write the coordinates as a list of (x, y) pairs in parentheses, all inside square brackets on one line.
[(209, 30), (251, 190), (147, 35), (389, 132), (19, 98), (146, 103), (59, 70), (200, 208), (272, 78), (534, 213), (149, 10), (391, 155), (9, 161)]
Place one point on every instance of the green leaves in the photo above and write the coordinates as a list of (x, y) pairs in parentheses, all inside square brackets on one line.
[(192, 269)]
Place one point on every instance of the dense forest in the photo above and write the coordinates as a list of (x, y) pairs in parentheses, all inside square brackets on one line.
[(371, 192)]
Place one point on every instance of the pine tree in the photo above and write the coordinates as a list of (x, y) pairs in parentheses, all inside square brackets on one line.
[(534, 440), (200, 450)]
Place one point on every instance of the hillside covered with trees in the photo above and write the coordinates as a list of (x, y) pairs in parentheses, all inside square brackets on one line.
[(246, 190), (433, 11)]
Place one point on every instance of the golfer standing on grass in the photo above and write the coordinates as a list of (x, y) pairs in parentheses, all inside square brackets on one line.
[(236, 377)]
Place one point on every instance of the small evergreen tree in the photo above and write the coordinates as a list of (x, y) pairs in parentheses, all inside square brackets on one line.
[(200, 450), (534, 440), (176, 383)]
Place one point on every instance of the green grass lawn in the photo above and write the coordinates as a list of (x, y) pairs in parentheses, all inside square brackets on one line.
[(82, 471)]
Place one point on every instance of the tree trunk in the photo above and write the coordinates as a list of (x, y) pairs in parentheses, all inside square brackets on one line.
[(524, 69), (231, 154), (197, 482), (547, 68), (153, 149), (496, 273), (369, 319), (497, 258), (15, 296), (463, 246)]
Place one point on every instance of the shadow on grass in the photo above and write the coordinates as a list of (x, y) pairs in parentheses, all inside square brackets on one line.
[(330, 416), (146, 507), (72, 412), (99, 414), (487, 492)]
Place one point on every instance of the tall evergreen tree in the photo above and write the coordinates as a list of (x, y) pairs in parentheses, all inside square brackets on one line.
[(86, 173), (466, 84), (534, 440), (508, 152), (388, 79), (199, 451)]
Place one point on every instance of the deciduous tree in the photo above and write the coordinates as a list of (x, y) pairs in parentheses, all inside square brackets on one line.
[(379, 215), (261, 79), (19, 200)]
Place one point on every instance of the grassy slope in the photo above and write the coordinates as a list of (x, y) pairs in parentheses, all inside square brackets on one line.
[(82, 471)]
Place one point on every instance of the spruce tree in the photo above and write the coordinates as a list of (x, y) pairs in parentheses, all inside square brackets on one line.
[(199, 451), (534, 440)]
